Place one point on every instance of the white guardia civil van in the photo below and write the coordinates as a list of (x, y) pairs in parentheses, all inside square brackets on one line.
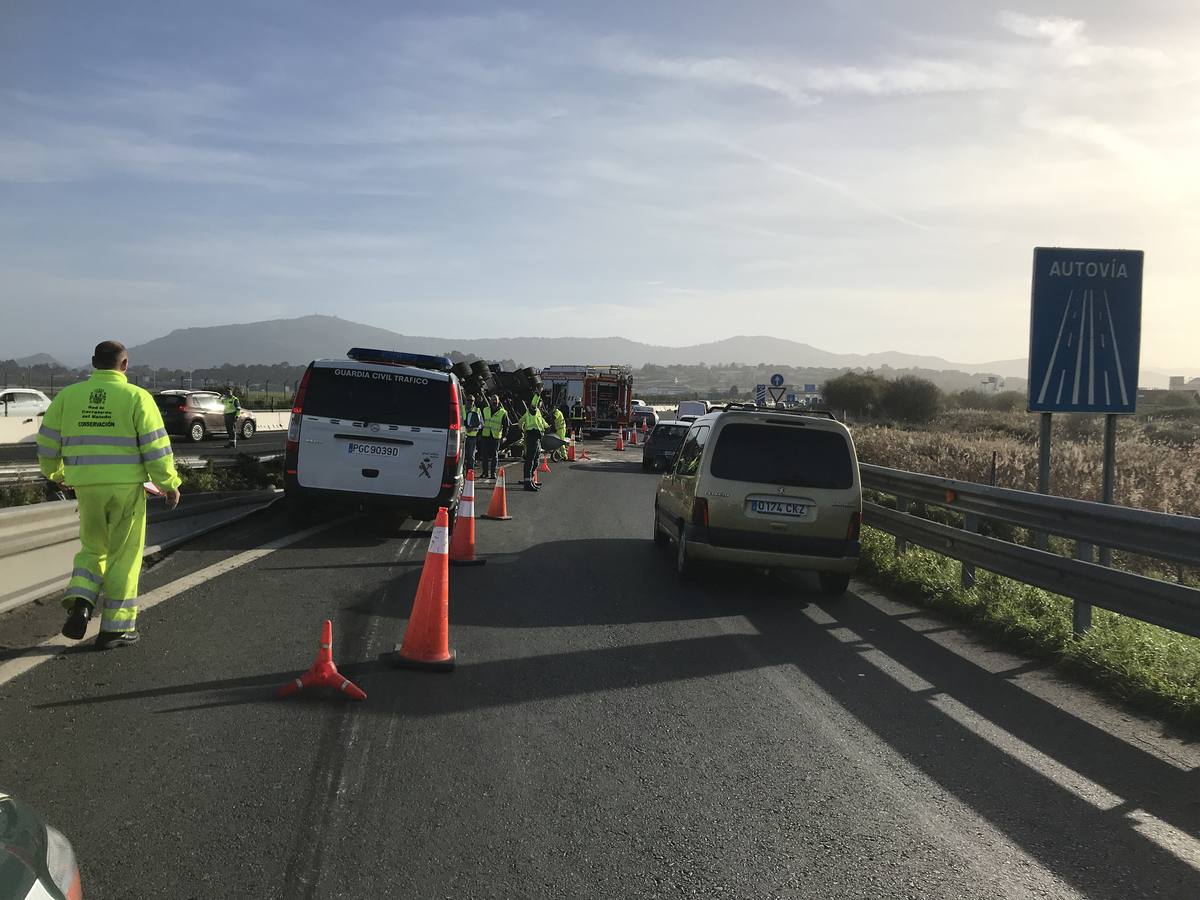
[(378, 430)]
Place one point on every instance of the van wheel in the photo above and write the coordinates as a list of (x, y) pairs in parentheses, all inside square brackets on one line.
[(196, 431), (685, 566), (647, 466), (834, 584), (661, 538), (248, 429)]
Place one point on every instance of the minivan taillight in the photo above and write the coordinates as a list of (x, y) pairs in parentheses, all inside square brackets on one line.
[(700, 512), (453, 434), (293, 432), (854, 527)]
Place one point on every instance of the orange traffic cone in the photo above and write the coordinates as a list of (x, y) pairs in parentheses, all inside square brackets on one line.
[(644, 428), (633, 436), (324, 672), (462, 541), (620, 440), (545, 466), (498, 508), (534, 480), (426, 643), (571, 450)]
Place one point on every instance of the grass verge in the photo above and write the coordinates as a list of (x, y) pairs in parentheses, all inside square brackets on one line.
[(1150, 667)]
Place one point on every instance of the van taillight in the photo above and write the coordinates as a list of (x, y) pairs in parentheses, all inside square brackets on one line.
[(854, 527), (182, 403), (700, 512), (454, 431), (293, 432)]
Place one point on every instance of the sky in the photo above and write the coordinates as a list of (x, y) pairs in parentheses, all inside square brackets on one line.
[(861, 175)]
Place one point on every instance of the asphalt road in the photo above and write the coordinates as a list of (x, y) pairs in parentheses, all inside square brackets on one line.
[(608, 732), (264, 442)]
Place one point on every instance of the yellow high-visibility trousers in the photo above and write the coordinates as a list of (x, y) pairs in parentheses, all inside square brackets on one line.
[(112, 530)]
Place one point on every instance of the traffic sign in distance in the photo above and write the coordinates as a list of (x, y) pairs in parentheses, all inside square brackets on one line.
[(760, 395), (1085, 330), (776, 380), (777, 393)]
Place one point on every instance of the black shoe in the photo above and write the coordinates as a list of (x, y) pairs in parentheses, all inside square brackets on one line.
[(107, 640), (531, 488), (77, 621)]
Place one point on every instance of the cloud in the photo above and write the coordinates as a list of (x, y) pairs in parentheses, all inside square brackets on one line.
[(1072, 47)]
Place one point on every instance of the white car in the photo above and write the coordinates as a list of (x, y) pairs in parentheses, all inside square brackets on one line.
[(22, 403)]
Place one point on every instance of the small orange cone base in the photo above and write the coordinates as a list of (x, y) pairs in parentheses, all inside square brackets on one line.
[(426, 643), (324, 672), (545, 466)]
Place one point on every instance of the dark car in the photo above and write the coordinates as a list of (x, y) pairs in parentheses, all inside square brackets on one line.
[(197, 414), (658, 453)]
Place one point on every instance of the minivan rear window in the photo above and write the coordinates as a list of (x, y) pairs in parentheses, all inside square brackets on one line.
[(782, 454), (367, 395)]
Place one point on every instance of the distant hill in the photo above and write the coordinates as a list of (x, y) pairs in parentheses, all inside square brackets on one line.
[(38, 359), (300, 340)]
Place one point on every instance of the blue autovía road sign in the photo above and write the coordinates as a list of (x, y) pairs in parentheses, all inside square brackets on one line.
[(1085, 330), (776, 380)]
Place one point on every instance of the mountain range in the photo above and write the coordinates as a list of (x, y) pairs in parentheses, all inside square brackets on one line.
[(310, 337)]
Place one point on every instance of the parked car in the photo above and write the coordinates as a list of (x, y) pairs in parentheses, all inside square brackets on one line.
[(645, 414), (22, 403), (198, 414), (662, 444), (769, 489), (693, 408), (36, 861), (379, 429)]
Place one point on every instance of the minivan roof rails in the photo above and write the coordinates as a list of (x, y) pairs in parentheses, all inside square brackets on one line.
[(398, 358), (790, 411)]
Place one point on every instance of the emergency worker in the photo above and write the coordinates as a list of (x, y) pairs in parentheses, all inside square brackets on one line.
[(560, 430), (232, 407), (473, 422), (533, 426), (104, 438), (495, 420)]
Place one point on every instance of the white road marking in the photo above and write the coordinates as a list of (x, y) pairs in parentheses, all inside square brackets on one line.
[(1079, 350), (35, 656), (1062, 379), (1107, 396), (1092, 349), (1054, 352), (1116, 352)]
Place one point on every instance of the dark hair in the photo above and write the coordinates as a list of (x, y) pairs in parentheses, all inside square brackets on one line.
[(108, 355)]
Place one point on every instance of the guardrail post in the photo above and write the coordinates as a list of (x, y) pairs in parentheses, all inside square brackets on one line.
[(970, 523), (1081, 613), (1108, 490), (1041, 539), (901, 543)]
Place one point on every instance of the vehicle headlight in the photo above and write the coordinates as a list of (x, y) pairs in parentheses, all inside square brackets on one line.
[(62, 865)]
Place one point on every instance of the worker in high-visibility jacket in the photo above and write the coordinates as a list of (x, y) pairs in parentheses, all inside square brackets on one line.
[(232, 407), (495, 424), (534, 426), (560, 430), (472, 422), (104, 438)]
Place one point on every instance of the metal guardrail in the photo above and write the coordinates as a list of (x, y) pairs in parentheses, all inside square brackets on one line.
[(1158, 535)]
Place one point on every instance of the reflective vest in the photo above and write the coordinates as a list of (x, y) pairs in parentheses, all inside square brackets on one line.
[(105, 431), (472, 432), (533, 422), (493, 422), (560, 423), (232, 405)]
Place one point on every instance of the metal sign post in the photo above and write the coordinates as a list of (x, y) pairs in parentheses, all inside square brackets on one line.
[(1085, 331)]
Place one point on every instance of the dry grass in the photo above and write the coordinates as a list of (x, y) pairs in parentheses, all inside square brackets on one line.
[(960, 445)]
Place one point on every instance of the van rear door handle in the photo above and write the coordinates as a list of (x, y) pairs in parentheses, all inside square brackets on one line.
[(370, 473)]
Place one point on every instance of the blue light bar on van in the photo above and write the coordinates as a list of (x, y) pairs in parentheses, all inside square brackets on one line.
[(396, 358)]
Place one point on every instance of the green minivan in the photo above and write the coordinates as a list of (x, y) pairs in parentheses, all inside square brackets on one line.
[(765, 488)]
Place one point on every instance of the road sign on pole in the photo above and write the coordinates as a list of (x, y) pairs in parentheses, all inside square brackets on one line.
[(777, 392), (777, 380), (1085, 330), (760, 395)]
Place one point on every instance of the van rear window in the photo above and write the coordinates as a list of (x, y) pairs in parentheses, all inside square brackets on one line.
[(787, 455), (390, 398)]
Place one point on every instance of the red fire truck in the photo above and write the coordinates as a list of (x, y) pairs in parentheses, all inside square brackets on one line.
[(604, 394)]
